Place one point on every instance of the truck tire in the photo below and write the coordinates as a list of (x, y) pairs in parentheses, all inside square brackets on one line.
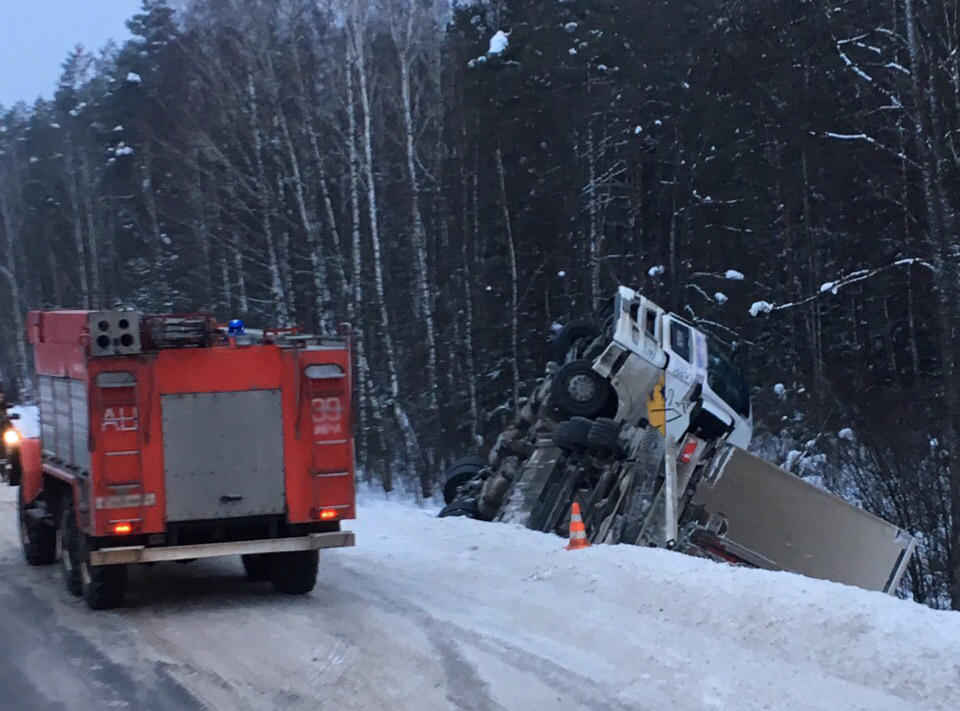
[(573, 435), (466, 508), (16, 470), (104, 586), (580, 391), (604, 437), (257, 567), (459, 473), (69, 534), (39, 539), (294, 573), (568, 336)]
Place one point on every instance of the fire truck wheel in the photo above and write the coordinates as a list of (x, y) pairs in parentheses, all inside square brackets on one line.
[(294, 573), (103, 585), (69, 544), (257, 568), (39, 539), (580, 391)]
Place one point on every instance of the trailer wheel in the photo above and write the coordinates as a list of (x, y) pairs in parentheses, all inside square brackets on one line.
[(294, 573), (69, 545), (39, 539), (580, 391), (257, 567), (103, 585)]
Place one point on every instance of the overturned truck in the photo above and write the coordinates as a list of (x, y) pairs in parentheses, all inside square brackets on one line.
[(645, 424)]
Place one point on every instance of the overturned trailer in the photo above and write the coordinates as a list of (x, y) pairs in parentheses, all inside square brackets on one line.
[(645, 425)]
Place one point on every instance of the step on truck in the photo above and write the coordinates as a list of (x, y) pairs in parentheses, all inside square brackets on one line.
[(171, 438), (645, 423)]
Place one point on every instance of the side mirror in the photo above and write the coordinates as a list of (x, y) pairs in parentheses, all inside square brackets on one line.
[(13, 416)]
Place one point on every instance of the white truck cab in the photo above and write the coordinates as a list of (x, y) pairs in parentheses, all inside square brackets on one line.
[(666, 371)]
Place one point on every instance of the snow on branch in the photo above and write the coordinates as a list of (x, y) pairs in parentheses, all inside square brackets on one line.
[(873, 142), (832, 287)]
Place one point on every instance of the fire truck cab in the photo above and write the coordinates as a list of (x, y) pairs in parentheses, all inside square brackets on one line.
[(171, 438)]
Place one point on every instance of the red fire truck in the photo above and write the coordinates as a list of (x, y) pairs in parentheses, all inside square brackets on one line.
[(172, 438)]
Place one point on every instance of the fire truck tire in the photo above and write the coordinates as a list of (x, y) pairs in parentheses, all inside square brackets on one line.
[(568, 336), (294, 573), (580, 391), (257, 568), (104, 586), (69, 534), (39, 539)]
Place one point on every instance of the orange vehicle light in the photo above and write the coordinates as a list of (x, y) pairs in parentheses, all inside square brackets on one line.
[(11, 437), (328, 514), (122, 528)]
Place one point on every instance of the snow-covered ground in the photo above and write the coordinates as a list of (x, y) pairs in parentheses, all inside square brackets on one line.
[(440, 614)]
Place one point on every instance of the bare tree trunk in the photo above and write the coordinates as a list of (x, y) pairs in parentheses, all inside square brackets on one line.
[(941, 233), (321, 287), (8, 270), (424, 299), (73, 189), (514, 283), (366, 135), (277, 291), (86, 189)]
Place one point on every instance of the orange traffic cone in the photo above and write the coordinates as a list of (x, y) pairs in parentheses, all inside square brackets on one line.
[(578, 534)]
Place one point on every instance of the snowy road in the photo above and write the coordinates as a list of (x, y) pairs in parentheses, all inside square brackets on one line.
[(428, 614)]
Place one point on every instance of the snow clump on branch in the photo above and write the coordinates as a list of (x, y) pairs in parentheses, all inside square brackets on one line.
[(761, 307), (499, 43), (734, 275)]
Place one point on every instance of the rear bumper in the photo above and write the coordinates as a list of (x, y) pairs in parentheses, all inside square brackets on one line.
[(142, 554)]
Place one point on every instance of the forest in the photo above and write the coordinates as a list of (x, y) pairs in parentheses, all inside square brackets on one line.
[(458, 181)]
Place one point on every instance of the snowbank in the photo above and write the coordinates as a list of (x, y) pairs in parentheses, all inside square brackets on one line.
[(654, 629)]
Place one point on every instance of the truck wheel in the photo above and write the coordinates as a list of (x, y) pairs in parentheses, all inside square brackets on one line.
[(16, 470), (466, 508), (257, 567), (580, 391), (39, 539), (459, 473), (69, 535), (604, 437), (294, 573), (103, 585), (573, 435), (568, 336)]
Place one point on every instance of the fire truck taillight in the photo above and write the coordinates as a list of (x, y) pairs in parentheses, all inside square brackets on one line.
[(324, 514), (122, 528)]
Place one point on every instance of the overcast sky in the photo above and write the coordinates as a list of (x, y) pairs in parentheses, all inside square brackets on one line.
[(36, 35)]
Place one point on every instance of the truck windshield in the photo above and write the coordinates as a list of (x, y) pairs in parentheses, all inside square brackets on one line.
[(727, 380)]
